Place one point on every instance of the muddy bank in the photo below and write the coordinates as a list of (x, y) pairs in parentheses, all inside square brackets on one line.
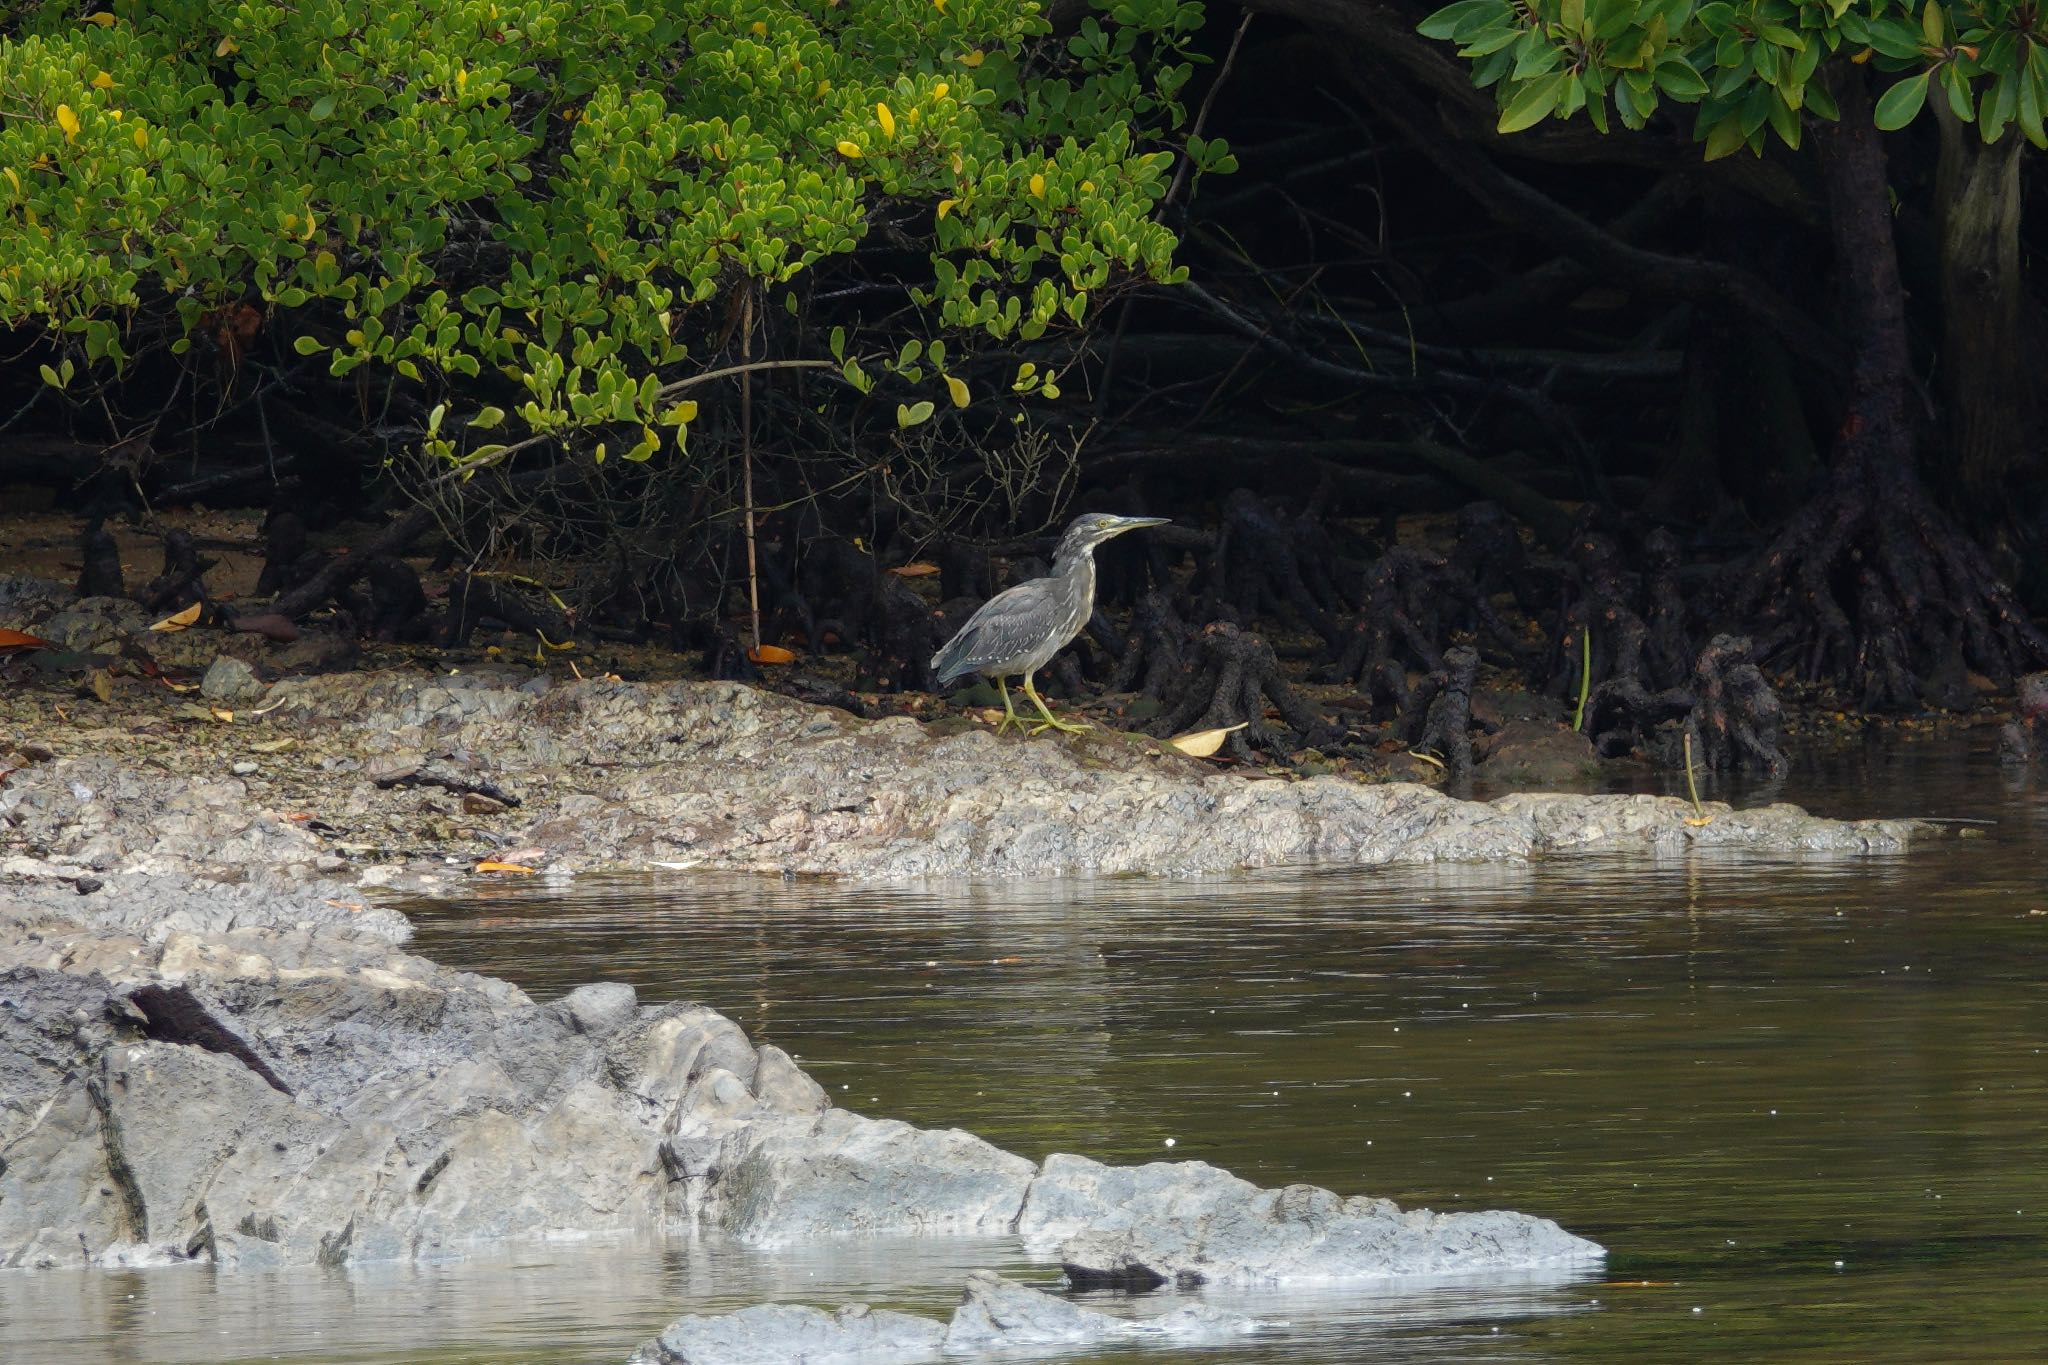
[(380, 777), (258, 1082)]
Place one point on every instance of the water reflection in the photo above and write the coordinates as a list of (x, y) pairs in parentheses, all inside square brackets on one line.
[(1803, 1100)]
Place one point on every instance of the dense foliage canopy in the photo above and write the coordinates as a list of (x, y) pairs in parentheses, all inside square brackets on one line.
[(532, 212), (1751, 66)]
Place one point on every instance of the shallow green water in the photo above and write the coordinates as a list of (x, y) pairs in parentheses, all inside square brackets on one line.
[(1803, 1102)]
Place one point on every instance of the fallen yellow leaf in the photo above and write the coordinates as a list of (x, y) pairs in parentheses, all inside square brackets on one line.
[(771, 654), (179, 620), (1203, 743), (520, 869), (917, 570)]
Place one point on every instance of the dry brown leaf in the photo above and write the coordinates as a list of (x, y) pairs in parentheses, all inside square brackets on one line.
[(771, 654), (1699, 821), (180, 620), (222, 714), (100, 683), (917, 570), (1204, 743), (16, 641), (273, 746), (488, 866)]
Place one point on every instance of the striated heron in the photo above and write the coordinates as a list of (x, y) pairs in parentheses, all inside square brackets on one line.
[(1021, 628)]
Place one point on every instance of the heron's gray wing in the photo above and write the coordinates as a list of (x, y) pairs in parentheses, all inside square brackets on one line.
[(1007, 629)]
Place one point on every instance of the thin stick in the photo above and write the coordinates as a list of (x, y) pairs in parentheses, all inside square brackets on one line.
[(1691, 787), (747, 455), (1586, 683)]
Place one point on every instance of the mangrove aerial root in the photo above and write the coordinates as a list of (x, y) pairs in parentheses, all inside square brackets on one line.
[(180, 584), (99, 573), (1263, 564), (1921, 586), (1156, 652), (1234, 676), (1440, 718), (1738, 721)]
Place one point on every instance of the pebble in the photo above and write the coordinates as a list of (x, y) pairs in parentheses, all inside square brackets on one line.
[(243, 768)]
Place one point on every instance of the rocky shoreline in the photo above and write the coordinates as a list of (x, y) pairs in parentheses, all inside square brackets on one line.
[(397, 778), (213, 1046)]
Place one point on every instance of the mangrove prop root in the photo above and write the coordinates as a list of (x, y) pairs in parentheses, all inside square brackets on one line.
[(472, 599), (1917, 581), (1233, 677), (179, 585), (1156, 652), (99, 573), (1737, 721), (1263, 564), (398, 604), (1446, 726)]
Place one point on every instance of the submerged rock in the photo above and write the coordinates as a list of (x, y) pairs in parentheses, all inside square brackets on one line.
[(1189, 1223), (995, 1315), (787, 1332)]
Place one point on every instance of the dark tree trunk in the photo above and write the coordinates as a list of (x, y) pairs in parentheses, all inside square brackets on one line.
[(1871, 581), (1984, 368)]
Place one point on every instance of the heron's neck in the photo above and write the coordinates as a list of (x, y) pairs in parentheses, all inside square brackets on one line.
[(1078, 568)]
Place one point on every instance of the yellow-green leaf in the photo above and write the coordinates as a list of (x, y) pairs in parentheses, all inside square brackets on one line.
[(68, 121), (1038, 186), (1533, 103), (1203, 743), (886, 119), (958, 388), (946, 207), (850, 150)]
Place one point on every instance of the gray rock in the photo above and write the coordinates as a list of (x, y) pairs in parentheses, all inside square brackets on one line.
[(629, 775), (601, 1007), (230, 681), (255, 1075), (95, 624), (1001, 1315), (1189, 1223), (786, 1179), (995, 1316), (301, 1092), (800, 1336)]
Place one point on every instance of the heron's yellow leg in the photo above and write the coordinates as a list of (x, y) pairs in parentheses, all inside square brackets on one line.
[(1010, 716), (1052, 722)]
